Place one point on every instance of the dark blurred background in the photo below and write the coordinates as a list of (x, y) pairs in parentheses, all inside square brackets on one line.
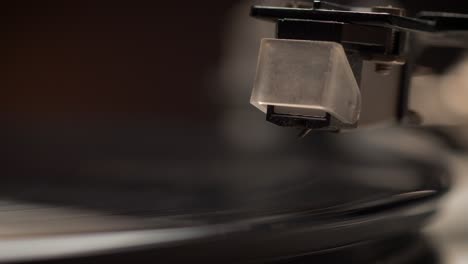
[(95, 59), (88, 59)]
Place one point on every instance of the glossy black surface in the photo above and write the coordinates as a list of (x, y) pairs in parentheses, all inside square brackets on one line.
[(408, 249), (300, 196)]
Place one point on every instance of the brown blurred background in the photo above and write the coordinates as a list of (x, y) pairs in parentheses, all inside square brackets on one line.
[(68, 58), (89, 58)]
